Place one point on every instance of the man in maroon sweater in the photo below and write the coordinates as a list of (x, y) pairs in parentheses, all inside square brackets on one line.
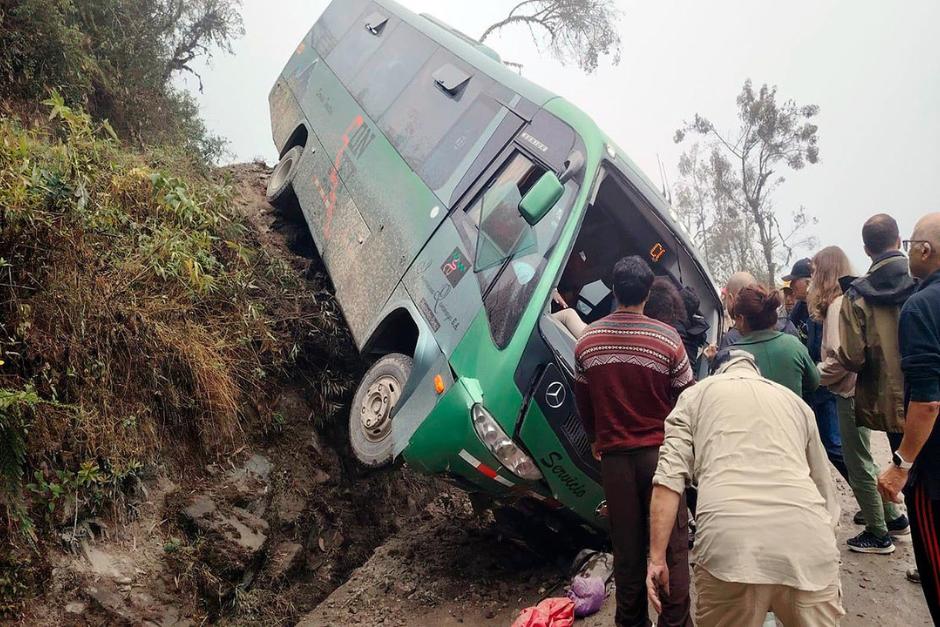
[(630, 371)]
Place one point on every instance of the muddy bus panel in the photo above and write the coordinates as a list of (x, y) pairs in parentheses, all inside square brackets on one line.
[(448, 198)]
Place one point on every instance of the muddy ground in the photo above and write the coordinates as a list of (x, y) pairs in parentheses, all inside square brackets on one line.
[(290, 530), (444, 586)]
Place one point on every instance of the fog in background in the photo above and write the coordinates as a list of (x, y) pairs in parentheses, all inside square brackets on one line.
[(873, 68)]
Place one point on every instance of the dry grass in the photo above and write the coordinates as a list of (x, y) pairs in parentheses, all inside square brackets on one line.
[(136, 303)]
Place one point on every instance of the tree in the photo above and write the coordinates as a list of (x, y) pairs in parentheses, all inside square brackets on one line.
[(734, 190), (575, 30), (724, 235), (192, 28), (117, 58)]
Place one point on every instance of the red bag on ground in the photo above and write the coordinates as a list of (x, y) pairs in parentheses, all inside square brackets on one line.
[(555, 612)]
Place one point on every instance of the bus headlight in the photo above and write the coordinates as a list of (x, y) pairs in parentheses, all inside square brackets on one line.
[(502, 446)]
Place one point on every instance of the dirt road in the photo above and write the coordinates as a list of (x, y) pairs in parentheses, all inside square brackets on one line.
[(453, 569)]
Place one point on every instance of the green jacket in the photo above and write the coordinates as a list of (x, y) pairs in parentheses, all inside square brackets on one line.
[(783, 359), (868, 334)]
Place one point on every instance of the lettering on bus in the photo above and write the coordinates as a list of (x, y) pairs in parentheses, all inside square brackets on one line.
[(552, 461), (533, 142), (361, 140)]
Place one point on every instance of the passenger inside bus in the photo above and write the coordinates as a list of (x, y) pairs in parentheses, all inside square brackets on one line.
[(612, 229)]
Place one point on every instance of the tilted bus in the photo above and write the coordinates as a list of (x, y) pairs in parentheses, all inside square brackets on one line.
[(448, 198)]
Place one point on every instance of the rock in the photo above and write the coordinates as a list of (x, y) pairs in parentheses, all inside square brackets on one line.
[(293, 406), (249, 485), (259, 466), (232, 536), (287, 558), (110, 603), (76, 607), (199, 508), (319, 477), (289, 507)]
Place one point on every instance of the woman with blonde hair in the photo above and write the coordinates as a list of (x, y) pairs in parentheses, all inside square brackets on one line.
[(881, 518)]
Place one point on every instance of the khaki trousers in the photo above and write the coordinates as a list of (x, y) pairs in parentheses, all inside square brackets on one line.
[(722, 603)]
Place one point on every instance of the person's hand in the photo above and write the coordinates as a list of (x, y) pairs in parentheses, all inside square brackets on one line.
[(891, 482), (595, 452), (559, 300), (710, 351), (657, 583)]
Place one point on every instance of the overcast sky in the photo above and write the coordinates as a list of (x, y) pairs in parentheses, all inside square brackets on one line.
[(872, 67)]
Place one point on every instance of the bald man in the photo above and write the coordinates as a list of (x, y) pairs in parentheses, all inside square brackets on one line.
[(917, 459)]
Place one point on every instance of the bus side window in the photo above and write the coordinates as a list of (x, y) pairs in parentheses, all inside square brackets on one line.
[(422, 115), (338, 18), (503, 232), (385, 74), (358, 44)]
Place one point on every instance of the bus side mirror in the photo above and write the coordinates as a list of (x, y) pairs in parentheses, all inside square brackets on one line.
[(540, 199)]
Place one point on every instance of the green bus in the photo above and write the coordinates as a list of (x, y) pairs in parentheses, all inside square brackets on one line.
[(451, 200)]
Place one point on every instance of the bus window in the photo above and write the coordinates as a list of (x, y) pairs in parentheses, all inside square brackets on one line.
[(421, 117), (510, 255), (503, 231), (335, 21), (462, 142), (384, 76), (358, 44), (512, 288)]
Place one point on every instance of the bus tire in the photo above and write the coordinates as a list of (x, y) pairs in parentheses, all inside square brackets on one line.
[(370, 417), (280, 192)]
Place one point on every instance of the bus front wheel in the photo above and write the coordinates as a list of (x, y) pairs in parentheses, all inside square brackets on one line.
[(370, 417)]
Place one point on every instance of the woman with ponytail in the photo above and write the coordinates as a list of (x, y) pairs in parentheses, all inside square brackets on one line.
[(781, 358)]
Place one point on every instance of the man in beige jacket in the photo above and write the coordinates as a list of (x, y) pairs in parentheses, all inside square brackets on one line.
[(767, 506)]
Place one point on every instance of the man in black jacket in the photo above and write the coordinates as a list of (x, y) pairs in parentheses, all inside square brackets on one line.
[(917, 459), (799, 279)]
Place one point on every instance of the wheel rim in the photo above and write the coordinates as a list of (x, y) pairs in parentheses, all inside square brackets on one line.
[(375, 411), (281, 171)]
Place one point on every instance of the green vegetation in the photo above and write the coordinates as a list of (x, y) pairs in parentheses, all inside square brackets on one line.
[(142, 322), (116, 59), (138, 320)]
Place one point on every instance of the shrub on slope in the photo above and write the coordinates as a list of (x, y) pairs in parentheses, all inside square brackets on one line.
[(138, 318)]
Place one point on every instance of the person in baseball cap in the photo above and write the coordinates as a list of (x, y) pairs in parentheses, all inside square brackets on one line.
[(799, 279), (802, 269)]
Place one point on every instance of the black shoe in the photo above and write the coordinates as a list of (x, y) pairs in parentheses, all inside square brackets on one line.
[(913, 575), (900, 526), (859, 518), (866, 542)]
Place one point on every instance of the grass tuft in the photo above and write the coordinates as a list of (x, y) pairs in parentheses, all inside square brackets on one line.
[(139, 320)]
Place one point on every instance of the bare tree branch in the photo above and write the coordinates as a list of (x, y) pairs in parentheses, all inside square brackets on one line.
[(579, 31), (768, 134)]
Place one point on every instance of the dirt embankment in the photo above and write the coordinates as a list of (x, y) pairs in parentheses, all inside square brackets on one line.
[(259, 537)]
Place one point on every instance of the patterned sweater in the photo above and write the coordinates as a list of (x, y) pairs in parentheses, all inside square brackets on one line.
[(630, 371)]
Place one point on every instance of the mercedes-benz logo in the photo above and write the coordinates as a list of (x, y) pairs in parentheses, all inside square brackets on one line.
[(555, 394)]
